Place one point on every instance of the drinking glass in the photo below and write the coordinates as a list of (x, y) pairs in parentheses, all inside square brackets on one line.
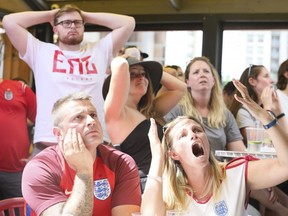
[(254, 138)]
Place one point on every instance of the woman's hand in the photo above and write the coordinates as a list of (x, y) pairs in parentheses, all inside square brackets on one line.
[(157, 149), (266, 98), (270, 100), (246, 100)]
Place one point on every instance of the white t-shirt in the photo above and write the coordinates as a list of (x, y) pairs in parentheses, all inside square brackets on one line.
[(245, 119), (231, 199), (58, 73), (284, 101)]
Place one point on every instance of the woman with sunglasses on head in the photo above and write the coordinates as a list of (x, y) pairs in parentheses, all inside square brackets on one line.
[(130, 102), (256, 78), (194, 181), (259, 86)]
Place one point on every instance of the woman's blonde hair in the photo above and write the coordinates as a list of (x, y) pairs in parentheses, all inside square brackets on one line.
[(216, 116), (175, 179)]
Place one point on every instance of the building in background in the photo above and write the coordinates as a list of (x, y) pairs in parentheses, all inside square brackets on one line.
[(240, 48)]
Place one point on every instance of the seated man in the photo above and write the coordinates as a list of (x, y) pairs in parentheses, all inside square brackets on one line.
[(80, 176)]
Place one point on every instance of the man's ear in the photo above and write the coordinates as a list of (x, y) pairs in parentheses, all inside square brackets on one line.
[(55, 30), (173, 155)]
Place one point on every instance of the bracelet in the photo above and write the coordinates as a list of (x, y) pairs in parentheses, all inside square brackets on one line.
[(273, 122), (272, 114), (280, 115), (156, 178)]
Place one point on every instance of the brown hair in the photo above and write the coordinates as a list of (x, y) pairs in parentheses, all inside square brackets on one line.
[(282, 80), (68, 8), (146, 105), (252, 71)]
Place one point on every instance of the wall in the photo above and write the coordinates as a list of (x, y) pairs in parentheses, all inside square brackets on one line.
[(14, 67)]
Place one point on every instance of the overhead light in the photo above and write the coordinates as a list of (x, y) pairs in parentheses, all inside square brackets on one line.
[(176, 4)]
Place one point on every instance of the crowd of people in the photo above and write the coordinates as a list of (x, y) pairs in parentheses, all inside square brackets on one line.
[(117, 134), (184, 174)]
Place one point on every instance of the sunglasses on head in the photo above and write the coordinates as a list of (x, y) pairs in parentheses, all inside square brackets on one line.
[(251, 66), (249, 70)]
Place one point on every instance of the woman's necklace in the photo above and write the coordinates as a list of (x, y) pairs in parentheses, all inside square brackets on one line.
[(202, 206), (203, 199)]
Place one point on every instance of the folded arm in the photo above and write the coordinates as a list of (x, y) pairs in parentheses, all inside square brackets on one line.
[(16, 25), (118, 91), (170, 98), (122, 26)]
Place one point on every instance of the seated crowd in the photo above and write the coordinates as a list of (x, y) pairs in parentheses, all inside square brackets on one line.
[(146, 141)]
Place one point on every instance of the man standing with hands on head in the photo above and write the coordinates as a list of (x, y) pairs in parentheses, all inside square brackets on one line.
[(68, 66)]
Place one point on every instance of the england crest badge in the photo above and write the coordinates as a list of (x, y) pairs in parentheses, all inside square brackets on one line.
[(220, 208), (8, 94), (102, 189)]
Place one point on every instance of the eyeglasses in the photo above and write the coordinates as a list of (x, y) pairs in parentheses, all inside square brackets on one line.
[(164, 128), (134, 74), (68, 23)]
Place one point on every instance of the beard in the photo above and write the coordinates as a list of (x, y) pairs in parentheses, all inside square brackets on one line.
[(75, 40)]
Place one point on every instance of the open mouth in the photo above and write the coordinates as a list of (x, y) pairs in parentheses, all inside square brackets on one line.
[(197, 150)]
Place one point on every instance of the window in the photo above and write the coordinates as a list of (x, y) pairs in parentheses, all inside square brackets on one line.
[(241, 48), (166, 47)]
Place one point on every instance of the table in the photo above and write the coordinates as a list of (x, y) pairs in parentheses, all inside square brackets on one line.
[(232, 154)]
